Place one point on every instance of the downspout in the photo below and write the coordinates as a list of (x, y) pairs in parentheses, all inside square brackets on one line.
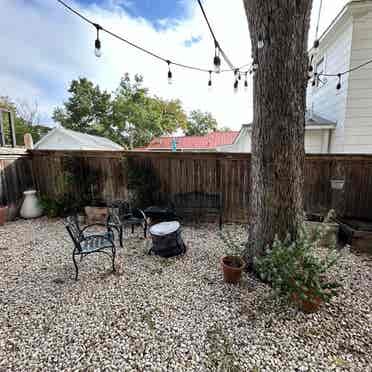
[(329, 141)]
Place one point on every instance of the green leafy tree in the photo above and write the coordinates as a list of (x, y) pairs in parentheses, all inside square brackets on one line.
[(88, 109), (130, 116), (139, 117), (200, 123), (26, 120)]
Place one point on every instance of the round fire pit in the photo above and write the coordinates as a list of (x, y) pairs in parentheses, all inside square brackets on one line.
[(166, 239)]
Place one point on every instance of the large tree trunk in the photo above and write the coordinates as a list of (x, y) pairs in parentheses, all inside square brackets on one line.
[(279, 119)]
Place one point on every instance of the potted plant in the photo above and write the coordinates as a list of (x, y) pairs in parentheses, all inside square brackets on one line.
[(295, 271), (3, 214), (232, 264)]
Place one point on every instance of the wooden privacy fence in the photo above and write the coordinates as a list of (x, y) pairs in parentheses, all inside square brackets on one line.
[(15, 177), (227, 173)]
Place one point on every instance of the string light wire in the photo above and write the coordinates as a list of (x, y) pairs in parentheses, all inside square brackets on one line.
[(144, 50), (216, 43)]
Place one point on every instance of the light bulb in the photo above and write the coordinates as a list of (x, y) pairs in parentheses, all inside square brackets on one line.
[(245, 86), (97, 48), (217, 64), (236, 85), (338, 86), (209, 85), (260, 43), (170, 77)]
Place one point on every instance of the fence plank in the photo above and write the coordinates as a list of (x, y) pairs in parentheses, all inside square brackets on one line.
[(228, 173)]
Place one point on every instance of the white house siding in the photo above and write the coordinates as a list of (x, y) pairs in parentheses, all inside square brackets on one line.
[(324, 100), (313, 141), (316, 141), (358, 121)]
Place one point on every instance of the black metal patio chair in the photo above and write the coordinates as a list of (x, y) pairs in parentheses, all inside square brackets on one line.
[(85, 244), (120, 214)]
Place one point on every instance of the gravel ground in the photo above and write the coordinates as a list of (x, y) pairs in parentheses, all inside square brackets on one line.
[(166, 314)]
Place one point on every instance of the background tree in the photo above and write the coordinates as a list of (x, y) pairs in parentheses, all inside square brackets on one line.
[(138, 117), (26, 119), (279, 119), (87, 110), (129, 116), (200, 123)]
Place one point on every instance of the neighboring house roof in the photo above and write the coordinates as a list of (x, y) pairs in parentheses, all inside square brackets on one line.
[(209, 141), (312, 122), (67, 139)]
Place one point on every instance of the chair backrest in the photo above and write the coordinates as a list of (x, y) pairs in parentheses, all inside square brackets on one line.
[(198, 200), (73, 228), (118, 211)]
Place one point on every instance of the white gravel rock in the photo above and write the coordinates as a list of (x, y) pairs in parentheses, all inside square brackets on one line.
[(160, 314)]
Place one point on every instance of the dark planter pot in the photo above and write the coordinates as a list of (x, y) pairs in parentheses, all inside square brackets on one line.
[(305, 305), (232, 267), (3, 215)]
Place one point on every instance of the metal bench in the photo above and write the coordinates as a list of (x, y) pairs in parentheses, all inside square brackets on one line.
[(85, 244), (198, 204)]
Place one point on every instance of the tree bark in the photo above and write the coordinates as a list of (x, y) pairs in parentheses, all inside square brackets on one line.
[(276, 199)]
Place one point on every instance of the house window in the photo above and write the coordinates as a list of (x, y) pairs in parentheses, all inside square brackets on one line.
[(319, 69)]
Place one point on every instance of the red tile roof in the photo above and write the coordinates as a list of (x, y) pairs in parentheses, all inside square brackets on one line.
[(209, 141)]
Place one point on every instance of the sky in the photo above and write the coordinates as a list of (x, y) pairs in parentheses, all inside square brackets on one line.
[(44, 47)]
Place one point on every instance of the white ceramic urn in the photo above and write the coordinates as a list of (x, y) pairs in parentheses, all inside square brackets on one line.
[(31, 207)]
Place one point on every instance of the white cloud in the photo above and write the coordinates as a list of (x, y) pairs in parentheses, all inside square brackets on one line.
[(44, 47)]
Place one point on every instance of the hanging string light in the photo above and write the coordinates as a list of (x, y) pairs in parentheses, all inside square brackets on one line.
[(260, 42), (210, 81), (338, 86), (254, 66), (315, 79), (169, 73), (316, 41), (246, 81), (217, 60), (97, 43), (236, 86), (311, 68)]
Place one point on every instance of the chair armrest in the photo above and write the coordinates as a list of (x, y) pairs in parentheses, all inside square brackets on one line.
[(141, 212), (93, 224)]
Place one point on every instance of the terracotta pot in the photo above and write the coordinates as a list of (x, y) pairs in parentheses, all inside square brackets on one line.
[(232, 267), (306, 305), (3, 214)]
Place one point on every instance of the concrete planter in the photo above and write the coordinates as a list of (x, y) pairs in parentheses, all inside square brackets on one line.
[(96, 214), (31, 207)]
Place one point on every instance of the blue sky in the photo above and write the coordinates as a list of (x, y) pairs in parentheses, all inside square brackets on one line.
[(44, 47), (151, 10)]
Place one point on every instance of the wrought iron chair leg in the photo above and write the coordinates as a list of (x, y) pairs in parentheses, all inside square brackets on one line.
[(145, 229), (113, 258), (121, 237), (76, 267), (132, 229)]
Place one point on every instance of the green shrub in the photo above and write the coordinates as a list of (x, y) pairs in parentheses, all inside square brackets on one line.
[(59, 207), (295, 270)]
